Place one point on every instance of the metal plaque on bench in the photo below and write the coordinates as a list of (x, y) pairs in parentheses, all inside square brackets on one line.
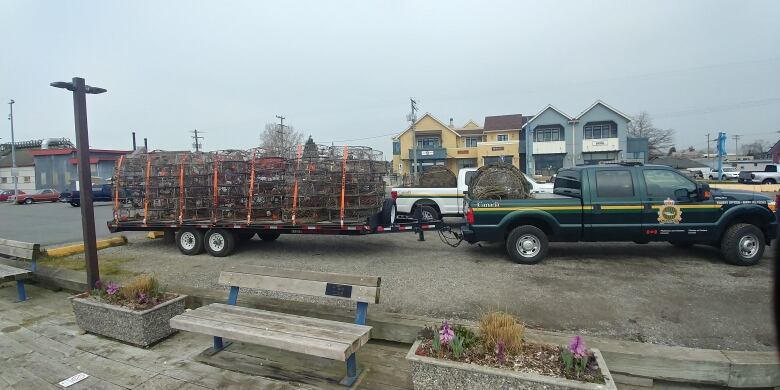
[(338, 290)]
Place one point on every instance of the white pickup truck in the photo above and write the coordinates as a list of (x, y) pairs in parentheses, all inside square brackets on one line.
[(434, 203), (770, 175)]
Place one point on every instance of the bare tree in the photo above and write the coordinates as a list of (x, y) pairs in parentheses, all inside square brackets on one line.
[(278, 141), (756, 148), (658, 140)]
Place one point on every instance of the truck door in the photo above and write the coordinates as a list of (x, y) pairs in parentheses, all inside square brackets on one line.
[(615, 212), (672, 209)]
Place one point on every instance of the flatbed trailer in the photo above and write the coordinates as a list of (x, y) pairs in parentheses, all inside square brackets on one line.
[(220, 238)]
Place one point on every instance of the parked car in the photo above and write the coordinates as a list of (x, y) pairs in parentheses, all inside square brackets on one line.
[(729, 173), (433, 203), (100, 193), (44, 195), (6, 195), (769, 175)]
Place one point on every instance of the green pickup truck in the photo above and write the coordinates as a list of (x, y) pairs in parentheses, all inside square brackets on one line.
[(621, 202)]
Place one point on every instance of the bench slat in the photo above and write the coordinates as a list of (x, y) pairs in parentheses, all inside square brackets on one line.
[(355, 280), (23, 250), (343, 327), (8, 273), (288, 326), (295, 286), (305, 345)]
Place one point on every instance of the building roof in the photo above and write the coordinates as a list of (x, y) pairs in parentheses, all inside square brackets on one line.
[(607, 106), (469, 131), (427, 114), (549, 107), (58, 152), (678, 162), (24, 158), (504, 122)]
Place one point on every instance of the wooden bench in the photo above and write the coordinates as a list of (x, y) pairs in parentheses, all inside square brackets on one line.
[(312, 336), (18, 250)]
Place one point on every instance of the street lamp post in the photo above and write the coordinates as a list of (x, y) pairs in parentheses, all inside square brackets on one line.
[(14, 172), (80, 89)]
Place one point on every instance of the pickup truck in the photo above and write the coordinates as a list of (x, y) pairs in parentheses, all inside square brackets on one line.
[(770, 175), (434, 203), (100, 193), (634, 203)]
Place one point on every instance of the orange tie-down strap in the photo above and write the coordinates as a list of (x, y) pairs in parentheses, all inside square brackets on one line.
[(343, 183), (251, 191), (116, 187), (146, 197)]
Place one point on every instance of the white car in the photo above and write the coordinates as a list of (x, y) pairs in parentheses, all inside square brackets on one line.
[(435, 203), (729, 173)]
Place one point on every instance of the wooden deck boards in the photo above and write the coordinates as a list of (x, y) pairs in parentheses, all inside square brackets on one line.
[(41, 345)]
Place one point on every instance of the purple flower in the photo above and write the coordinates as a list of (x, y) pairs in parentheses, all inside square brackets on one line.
[(446, 334), (98, 284), (577, 347), (142, 299), (112, 288), (501, 353)]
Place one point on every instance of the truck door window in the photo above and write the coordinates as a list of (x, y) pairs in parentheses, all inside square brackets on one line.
[(614, 184), (469, 176), (771, 168), (567, 183), (661, 183)]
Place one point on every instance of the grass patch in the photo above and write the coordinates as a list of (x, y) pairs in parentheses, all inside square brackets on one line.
[(109, 266)]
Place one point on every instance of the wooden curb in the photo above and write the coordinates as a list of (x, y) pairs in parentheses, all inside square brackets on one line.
[(73, 249), (635, 363)]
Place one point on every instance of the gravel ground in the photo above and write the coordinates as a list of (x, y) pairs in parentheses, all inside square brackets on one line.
[(651, 293)]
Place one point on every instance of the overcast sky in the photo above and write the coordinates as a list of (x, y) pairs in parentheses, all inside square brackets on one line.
[(345, 70)]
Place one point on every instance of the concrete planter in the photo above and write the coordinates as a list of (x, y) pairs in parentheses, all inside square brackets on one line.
[(137, 327), (433, 374)]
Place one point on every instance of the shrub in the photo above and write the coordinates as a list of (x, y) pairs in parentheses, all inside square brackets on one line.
[(466, 335), (502, 326)]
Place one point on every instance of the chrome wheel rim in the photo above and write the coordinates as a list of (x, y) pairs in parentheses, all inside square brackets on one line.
[(216, 242), (528, 245), (187, 241), (748, 246), (427, 216)]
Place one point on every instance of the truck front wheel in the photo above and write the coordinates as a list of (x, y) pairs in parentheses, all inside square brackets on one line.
[(190, 241), (743, 244), (527, 244)]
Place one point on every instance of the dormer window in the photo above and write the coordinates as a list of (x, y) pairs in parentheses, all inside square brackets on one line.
[(599, 130)]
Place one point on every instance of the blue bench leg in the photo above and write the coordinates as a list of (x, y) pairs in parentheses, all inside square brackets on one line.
[(352, 372), (20, 290)]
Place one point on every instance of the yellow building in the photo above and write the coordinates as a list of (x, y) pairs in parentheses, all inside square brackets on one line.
[(470, 145)]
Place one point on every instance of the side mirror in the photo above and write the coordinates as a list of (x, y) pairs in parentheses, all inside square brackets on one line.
[(682, 194), (704, 191)]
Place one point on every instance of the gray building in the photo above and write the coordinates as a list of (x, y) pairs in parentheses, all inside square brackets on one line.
[(57, 168), (557, 140)]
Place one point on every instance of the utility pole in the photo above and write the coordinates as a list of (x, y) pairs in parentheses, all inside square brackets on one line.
[(14, 172), (708, 150), (197, 140), (80, 91), (413, 119), (736, 143), (280, 131)]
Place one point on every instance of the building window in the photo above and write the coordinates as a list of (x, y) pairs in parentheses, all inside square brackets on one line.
[(595, 158), (428, 142), (548, 164), (471, 142), (598, 130), (4, 180), (396, 147), (502, 137), (548, 133), (498, 160), (467, 163), (27, 179)]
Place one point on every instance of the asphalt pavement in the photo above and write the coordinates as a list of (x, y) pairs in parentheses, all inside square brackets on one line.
[(49, 223)]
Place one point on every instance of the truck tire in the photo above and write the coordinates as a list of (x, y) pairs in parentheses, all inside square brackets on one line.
[(743, 244), (388, 212), (190, 241), (219, 242), (427, 213), (527, 244), (268, 236), (769, 181), (75, 204)]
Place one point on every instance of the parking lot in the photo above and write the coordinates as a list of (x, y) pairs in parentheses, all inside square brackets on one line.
[(655, 293)]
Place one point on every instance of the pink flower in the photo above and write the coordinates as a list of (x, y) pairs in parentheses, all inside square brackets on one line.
[(446, 334), (501, 352), (112, 288), (142, 299), (577, 347)]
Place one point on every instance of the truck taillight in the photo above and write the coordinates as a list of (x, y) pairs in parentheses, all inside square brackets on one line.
[(394, 195), (470, 216)]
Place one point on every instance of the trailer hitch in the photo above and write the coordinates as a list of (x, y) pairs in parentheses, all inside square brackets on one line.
[(450, 237)]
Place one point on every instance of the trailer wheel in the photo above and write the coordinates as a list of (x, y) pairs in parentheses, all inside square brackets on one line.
[(220, 242), (265, 236), (388, 212), (190, 241), (527, 244)]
